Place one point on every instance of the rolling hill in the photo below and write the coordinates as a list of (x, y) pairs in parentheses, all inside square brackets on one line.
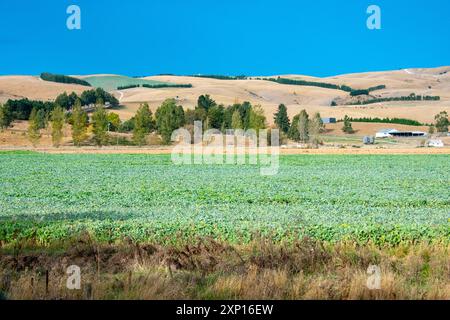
[(433, 82)]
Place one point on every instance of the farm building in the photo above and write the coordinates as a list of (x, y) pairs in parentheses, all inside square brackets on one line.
[(406, 134), (328, 120), (435, 143), (387, 133)]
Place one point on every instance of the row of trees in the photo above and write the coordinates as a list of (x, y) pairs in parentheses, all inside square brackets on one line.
[(220, 77), (167, 118), (67, 101), (170, 116), (101, 122), (22, 109), (63, 79), (154, 86), (310, 84), (359, 92), (411, 97), (404, 121), (237, 116)]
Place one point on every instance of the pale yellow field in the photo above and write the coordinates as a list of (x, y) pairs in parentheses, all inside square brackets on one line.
[(313, 99), (32, 87)]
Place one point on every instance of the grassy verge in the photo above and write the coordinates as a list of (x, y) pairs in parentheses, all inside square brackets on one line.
[(207, 269)]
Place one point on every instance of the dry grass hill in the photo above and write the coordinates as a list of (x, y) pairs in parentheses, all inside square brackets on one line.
[(434, 82)]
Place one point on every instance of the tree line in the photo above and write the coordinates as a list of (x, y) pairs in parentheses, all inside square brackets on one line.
[(404, 121), (219, 77), (63, 79), (21, 109), (170, 116), (155, 86), (411, 97), (309, 84)]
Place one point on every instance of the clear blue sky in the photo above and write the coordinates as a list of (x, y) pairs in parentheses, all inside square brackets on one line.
[(252, 37)]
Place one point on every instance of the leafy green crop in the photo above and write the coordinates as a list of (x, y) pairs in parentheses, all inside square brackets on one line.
[(383, 199)]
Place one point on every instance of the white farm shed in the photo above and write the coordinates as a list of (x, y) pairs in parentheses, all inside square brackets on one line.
[(435, 143), (385, 133)]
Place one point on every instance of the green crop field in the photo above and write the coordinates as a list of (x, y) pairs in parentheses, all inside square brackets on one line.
[(383, 199), (111, 83)]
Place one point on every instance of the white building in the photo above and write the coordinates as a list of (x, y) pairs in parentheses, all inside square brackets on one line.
[(435, 143), (385, 133)]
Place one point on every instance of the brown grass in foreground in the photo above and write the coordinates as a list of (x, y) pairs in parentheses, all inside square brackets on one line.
[(211, 270)]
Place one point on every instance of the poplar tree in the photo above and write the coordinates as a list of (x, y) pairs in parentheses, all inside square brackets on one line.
[(100, 125), (316, 127), (236, 122), (57, 120), (5, 116), (33, 128), (169, 117), (257, 120), (79, 127), (303, 126), (143, 124)]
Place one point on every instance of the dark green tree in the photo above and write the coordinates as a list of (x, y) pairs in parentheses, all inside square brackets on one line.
[(299, 130), (294, 133), (63, 100), (216, 117), (169, 117), (205, 102), (281, 119), (143, 124)]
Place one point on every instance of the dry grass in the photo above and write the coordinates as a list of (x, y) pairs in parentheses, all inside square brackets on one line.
[(32, 87), (212, 270), (269, 95)]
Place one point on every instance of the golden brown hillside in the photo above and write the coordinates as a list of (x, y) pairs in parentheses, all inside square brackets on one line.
[(433, 82)]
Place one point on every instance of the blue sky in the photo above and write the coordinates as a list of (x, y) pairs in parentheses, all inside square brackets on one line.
[(252, 37)]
